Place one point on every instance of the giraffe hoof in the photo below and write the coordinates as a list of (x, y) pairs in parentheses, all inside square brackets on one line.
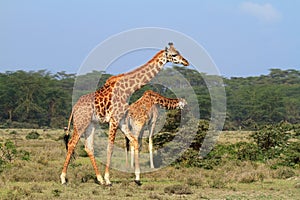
[(65, 182), (98, 182), (109, 185), (138, 182)]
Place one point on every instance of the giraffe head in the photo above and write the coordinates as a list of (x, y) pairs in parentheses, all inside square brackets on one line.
[(181, 103), (174, 56)]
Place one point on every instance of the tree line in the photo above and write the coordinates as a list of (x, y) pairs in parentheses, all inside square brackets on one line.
[(38, 99)]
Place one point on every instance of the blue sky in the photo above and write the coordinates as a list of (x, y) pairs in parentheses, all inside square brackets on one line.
[(244, 38)]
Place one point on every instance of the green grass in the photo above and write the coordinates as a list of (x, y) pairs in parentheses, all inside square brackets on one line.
[(38, 177)]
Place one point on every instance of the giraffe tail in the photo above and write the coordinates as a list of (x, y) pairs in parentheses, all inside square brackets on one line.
[(66, 139), (127, 142), (67, 131)]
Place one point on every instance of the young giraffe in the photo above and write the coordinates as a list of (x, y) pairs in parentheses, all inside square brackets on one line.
[(145, 112), (108, 104)]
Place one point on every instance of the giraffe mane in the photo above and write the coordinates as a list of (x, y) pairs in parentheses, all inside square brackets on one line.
[(150, 61)]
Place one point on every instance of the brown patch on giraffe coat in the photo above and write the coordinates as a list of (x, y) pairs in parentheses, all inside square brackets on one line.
[(131, 82), (149, 74), (128, 91)]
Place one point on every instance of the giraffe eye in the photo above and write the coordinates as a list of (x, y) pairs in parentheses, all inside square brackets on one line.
[(174, 55)]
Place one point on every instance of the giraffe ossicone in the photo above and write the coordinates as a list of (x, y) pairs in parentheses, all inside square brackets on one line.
[(109, 104)]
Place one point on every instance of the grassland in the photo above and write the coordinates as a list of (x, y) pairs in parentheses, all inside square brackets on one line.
[(37, 177)]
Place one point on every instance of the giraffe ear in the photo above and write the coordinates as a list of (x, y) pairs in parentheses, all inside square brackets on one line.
[(166, 49)]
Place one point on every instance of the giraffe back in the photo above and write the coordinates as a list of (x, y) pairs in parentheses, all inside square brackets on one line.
[(143, 109)]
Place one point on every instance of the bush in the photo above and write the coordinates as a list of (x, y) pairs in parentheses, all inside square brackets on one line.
[(203, 126), (173, 122), (32, 135), (190, 158), (291, 156), (8, 153), (239, 151), (13, 132), (271, 142), (24, 155), (296, 129), (162, 138), (272, 139), (248, 151)]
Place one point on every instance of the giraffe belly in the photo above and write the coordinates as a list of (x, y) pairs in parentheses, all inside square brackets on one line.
[(99, 118)]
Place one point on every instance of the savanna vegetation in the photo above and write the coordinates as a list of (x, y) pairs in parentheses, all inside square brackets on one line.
[(257, 156), (239, 167)]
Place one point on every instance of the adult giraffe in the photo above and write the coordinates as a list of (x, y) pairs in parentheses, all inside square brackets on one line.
[(108, 104)]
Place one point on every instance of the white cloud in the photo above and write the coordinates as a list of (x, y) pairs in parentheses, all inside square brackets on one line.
[(264, 12)]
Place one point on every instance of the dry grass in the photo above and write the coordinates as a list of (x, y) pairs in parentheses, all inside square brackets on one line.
[(38, 178), (227, 137)]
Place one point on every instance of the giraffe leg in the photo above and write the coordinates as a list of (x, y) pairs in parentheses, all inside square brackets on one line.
[(136, 160), (131, 155), (151, 151), (71, 146), (137, 134), (135, 144), (89, 148), (151, 146), (111, 139), (126, 151), (152, 126)]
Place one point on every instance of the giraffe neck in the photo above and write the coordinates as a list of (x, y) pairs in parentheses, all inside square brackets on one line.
[(143, 75), (167, 103)]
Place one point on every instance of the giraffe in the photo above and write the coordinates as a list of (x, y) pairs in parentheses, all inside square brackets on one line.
[(145, 112), (108, 104)]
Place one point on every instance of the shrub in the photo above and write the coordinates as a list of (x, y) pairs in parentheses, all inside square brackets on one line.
[(247, 151), (173, 121), (272, 139), (162, 138), (203, 126), (32, 135), (8, 151), (24, 155), (13, 132), (291, 156), (238, 151), (190, 158), (296, 129)]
